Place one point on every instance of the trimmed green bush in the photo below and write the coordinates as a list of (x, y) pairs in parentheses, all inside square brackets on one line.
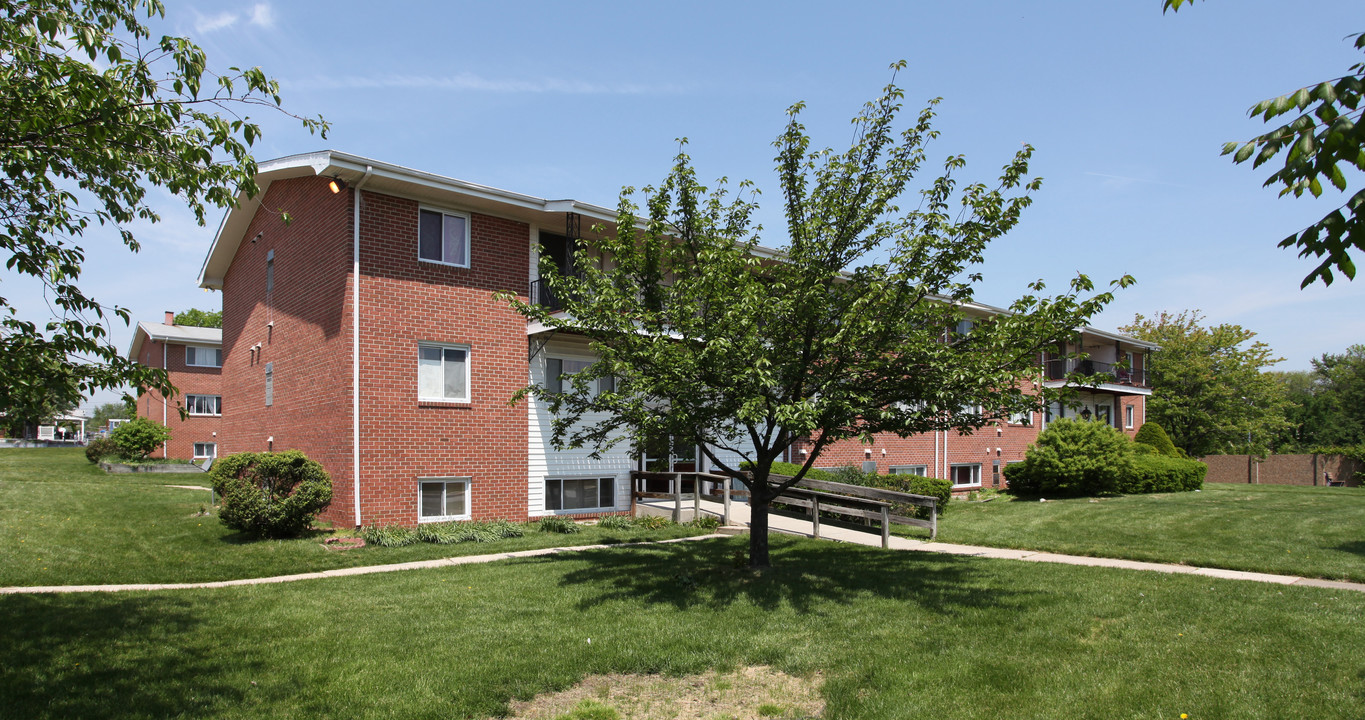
[(1160, 474), (138, 438), (1154, 436), (99, 448), (790, 470), (705, 522), (1072, 458), (652, 522), (270, 494)]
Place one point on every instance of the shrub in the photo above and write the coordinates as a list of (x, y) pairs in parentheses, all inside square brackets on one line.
[(559, 524), (615, 522), (1159, 474), (138, 438), (99, 448), (388, 535), (933, 487), (705, 522), (1073, 458), (652, 522), (270, 494), (1154, 436), (790, 470)]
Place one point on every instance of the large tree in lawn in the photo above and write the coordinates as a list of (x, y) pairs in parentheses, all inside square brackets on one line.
[(844, 333), (95, 112)]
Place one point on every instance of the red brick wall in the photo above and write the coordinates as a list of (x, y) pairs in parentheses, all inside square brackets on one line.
[(405, 301), (309, 344), (189, 381)]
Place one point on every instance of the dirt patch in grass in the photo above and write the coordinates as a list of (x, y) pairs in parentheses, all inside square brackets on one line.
[(750, 693)]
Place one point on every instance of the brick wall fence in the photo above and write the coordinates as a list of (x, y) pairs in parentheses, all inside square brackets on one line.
[(1281, 469)]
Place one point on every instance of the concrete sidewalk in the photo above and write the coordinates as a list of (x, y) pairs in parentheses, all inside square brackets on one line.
[(739, 517), (739, 522)]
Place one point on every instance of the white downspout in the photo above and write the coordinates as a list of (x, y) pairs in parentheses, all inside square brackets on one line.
[(164, 399), (355, 342)]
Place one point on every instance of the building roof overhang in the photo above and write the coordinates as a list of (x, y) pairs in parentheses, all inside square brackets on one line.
[(186, 334)]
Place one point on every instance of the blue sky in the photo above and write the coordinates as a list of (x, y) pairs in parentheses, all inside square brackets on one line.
[(1127, 109)]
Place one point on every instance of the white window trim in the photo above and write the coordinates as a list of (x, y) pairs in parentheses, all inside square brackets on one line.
[(212, 454), (202, 347), (976, 474), (468, 373), (468, 235), (468, 499), (597, 384), (203, 414), (903, 470), (545, 497), (1129, 412)]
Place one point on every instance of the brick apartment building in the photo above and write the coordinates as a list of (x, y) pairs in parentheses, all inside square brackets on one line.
[(193, 358), (364, 332)]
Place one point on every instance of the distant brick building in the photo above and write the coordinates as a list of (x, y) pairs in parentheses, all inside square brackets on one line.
[(193, 359), (364, 332)]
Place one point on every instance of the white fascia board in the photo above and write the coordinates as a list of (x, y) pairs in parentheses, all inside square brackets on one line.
[(1110, 387)]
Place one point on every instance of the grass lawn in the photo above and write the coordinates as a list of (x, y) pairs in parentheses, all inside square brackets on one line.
[(893, 634), (1309, 531), (64, 521)]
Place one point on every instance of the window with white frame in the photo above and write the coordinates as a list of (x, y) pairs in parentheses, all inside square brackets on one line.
[(1128, 416), (559, 374), (965, 474), (204, 404), (269, 384), (196, 356), (443, 372), (1021, 418), (443, 237), (442, 499), (920, 470), (580, 493), (203, 450)]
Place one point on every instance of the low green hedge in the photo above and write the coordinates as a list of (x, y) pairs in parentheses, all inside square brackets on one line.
[(1159, 474), (851, 475)]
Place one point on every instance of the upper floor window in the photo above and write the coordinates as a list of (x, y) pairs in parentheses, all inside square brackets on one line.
[(203, 356), (443, 373), (443, 237), (204, 404)]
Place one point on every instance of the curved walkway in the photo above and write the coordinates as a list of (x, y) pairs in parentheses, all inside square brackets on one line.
[(777, 523)]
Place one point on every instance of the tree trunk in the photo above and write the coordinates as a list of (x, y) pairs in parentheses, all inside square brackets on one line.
[(758, 532)]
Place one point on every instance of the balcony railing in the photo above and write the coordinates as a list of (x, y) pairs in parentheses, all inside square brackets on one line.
[(1104, 372), (542, 295)]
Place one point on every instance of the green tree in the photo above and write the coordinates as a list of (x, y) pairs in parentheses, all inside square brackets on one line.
[(194, 317), (1209, 389), (1323, 138), (710, 338), (30, 399), (93, 113), (139, 437), (1328, 401), (126, 410)]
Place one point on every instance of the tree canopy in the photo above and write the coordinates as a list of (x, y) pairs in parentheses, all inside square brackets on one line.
[(194, 317), (845, 332), (1328, 402), (93, 113), (1210, 391), (1324, 137)]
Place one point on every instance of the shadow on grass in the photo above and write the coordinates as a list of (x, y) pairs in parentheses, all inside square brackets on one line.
[(806, 575), (1355, 547), (84, 657)]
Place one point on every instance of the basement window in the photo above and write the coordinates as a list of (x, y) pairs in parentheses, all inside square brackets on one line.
[(442, 499)]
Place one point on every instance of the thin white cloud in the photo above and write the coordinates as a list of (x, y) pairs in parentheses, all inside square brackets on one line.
[(471, 82), (204, 24), (262, 15)]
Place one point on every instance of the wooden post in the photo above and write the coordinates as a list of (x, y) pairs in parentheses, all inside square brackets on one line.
[(696, 497), (886, 527), (815, 514), (677, 497), (933, 519), (725, 518)]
